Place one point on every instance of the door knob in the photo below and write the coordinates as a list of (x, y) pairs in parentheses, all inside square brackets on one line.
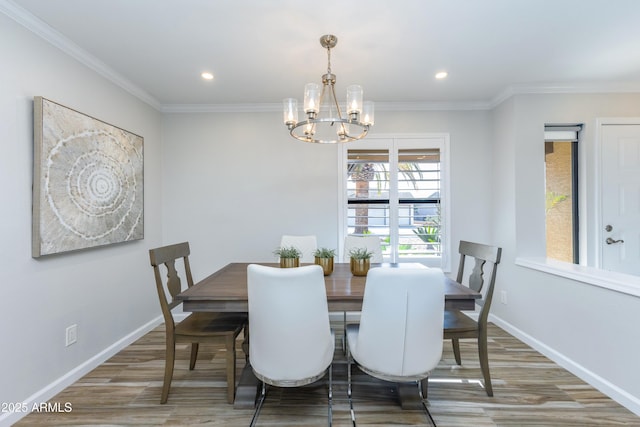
[(611, 241), (608, 228)]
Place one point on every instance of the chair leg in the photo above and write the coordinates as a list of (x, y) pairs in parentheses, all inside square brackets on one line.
[(245, 342), (170, 357), (484, 363), (344, 332), (263, 394), (421, 387), (424, 387), (456, 350), (231, 367), (194, 355), (353, 414), (330, 415)]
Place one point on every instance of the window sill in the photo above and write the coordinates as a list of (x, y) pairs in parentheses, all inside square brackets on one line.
[(623, 283)]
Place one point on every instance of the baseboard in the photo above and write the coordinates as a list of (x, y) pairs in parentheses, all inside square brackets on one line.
[(621, 396), (48, 392)]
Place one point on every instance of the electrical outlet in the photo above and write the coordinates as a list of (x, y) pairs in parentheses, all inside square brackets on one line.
[(71, 335), (503, 297)]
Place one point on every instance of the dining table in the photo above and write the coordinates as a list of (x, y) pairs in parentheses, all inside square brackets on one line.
[(225, 290)]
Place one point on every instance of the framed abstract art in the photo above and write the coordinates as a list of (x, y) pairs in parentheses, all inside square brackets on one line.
[(87, 181)]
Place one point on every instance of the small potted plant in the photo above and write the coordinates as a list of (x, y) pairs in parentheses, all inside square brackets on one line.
[(360, 261), (289, 256), (324, 258)]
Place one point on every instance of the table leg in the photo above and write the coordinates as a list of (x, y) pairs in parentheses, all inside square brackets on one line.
[(409, 396), (247, 390)]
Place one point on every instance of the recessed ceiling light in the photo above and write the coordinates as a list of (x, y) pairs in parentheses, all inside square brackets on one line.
[(441, 75), (207, 76)]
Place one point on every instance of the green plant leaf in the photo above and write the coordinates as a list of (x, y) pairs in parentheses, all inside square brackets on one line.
[(288, 252), (324, 253), (360, 253)]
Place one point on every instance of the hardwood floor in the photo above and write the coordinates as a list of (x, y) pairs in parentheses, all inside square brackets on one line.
[(529, 389)]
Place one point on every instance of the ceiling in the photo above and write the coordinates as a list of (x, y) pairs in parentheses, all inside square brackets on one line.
[(263, 51)]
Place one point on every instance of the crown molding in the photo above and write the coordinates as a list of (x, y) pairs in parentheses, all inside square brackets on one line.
[(432, 106), (44, 31), (221, 108), (510, 91), (564, 88), (271, 107)]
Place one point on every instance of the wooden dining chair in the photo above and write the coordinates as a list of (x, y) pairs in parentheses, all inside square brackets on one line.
[(197, 327), (458, 325)]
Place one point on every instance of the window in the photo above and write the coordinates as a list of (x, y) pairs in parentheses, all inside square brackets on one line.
[(394, 190), (561, 182)]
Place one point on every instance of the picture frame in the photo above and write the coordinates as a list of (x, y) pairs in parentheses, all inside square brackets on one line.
[(88, 181)]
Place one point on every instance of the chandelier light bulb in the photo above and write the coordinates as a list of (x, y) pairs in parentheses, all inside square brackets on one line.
[(311, 98), (290, 111), (368, 113), (354, 99)]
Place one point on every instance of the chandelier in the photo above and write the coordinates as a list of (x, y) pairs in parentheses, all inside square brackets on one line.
[(324, 122)]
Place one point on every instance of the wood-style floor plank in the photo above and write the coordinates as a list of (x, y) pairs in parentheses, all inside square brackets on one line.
[(529, 390)]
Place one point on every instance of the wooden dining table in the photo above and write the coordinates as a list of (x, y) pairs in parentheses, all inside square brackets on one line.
[(226, 291)]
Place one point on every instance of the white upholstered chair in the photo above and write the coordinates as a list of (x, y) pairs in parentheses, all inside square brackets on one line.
[(291, 341), (370, 242), (399, 337), (305, 244)]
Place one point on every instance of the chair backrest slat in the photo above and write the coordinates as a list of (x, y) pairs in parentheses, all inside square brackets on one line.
[(167, 256), (484, 270)]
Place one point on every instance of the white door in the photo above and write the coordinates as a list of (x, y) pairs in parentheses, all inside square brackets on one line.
[(620, 186)]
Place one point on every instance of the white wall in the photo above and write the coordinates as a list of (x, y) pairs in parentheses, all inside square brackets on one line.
[(108, 292), (591, 330), (234, 183)]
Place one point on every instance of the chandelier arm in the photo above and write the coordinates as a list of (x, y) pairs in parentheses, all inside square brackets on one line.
[(322, 95), (342, 133), (335, 100), (306, 137)]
